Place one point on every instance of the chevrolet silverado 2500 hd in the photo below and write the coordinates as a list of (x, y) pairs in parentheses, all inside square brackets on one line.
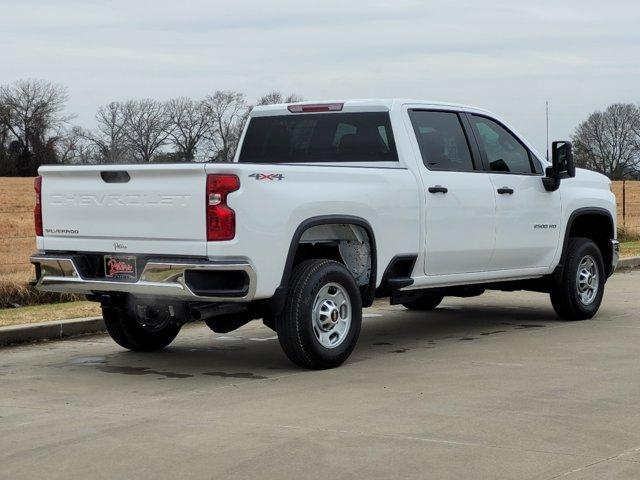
[(325, 207)]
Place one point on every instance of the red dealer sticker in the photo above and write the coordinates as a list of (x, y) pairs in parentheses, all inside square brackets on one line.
[(120, 267)]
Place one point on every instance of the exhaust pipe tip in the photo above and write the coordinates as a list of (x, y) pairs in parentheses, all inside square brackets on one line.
[(195, 313)]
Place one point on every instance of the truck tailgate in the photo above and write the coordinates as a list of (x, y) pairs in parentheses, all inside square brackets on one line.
[(152, 209)]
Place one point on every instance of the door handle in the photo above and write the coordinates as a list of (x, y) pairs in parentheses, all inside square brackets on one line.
[(438, 189), (505, 190)]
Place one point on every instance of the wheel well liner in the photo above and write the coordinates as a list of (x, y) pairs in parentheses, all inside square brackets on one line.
[(588, 222), (368, 291)]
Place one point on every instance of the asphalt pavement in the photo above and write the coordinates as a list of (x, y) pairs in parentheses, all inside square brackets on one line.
[(493, 387)]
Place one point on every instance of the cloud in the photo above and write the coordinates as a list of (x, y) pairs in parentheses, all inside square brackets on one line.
[(507, 56)]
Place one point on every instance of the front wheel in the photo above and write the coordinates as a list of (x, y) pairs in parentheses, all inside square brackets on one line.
[(320, 324), (578, 293)]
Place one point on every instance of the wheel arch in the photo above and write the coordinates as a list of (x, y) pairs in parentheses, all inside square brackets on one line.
[(594, 223), (367, 291)]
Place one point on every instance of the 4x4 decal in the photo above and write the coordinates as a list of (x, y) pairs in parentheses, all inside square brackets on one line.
[(267, 176)]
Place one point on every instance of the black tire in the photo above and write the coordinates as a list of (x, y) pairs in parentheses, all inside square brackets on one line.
[(128, 333), (424, 303), (295, 326), (565, 294)]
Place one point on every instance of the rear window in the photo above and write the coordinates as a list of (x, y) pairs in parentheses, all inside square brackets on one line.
[(320, 137)]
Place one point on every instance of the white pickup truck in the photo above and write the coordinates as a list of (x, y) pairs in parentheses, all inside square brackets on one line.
[(326, 207)]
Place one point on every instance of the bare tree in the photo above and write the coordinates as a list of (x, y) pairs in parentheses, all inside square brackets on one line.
[(73, 147), (146, 127), (109, 136), (227, 112), (66, 144), (189, 121), (609, 142), (31, 109), (275, 97), (5, 167)]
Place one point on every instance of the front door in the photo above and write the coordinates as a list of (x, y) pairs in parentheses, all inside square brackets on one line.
[(527, 216), (460, 202)]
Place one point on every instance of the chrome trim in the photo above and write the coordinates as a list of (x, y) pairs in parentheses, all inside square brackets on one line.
[(60, 274), (615, 254)]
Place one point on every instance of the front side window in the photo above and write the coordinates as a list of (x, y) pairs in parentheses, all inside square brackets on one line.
[(503, 151), (442, 140), (319, 137)]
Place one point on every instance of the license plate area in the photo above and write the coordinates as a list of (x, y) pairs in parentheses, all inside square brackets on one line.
[(120, 267)]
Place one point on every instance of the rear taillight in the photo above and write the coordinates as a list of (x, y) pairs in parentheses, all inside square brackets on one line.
[(37, 210), (221, 220)]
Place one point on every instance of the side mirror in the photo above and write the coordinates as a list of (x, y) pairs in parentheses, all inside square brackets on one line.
[(562, 159), (562, 165)]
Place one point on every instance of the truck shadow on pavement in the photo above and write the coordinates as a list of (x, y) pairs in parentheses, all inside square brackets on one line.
[(426, 329), (253, 353)]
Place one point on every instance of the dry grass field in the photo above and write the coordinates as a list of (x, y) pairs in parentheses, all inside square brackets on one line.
[(17, 242), (16, 224)]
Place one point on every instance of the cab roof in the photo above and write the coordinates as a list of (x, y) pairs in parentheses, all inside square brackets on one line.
[(356, 105)]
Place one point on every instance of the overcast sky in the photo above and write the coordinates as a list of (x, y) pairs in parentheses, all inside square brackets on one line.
[(508, 56)]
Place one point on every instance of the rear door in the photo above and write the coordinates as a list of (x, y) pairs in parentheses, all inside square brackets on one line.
[(459, 197), (527, 216), (152, 209)]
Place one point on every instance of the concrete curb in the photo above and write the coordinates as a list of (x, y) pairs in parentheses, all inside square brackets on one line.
[(59, 329), (629, 262)]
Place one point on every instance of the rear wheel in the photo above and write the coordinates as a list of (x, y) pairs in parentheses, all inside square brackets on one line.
[(320, 324), (142, 328), (578, 293), (424, 303)]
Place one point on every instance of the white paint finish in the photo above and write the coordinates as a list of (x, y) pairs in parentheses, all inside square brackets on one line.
[(451, 220), (519, 244), (195, 248), (425, 281), (453, 234), (269, 212), (160, 210), (586, 190), (348, 106), (460, 225)]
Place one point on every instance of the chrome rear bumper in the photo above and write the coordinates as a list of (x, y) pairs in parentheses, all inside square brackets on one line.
[(59, 273)]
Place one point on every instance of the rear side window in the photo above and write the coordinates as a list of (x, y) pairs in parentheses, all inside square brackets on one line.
[(504, 152), (319, 137), (443, 143)]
